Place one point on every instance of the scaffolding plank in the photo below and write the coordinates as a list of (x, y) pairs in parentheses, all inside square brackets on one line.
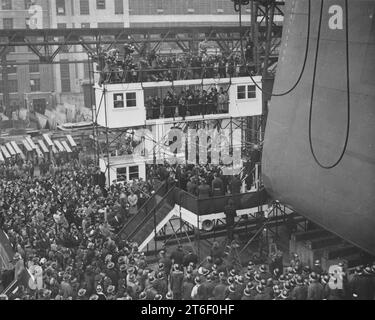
[(59, 146), (48, 140), (43, 146), (71, 140), (5, 152), (66, 146), (10, 149), (27, 146)]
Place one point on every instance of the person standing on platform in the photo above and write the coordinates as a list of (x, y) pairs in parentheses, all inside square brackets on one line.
[(230, 214), (217, 186), (133, 203)]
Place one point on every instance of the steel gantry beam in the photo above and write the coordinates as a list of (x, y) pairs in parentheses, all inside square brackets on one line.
[(48, 43)]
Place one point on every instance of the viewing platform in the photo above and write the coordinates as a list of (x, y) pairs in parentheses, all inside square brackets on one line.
[(127, 105)]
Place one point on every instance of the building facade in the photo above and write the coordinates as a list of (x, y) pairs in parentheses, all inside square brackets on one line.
[(60, 88), (169, 13), (70, 79), (25, 84)]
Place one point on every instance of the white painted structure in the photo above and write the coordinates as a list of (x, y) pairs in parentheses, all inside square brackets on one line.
[(123, 105), (123, 168)]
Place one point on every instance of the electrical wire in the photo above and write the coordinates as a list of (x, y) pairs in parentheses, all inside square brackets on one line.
[(304, 62), (348, 90)]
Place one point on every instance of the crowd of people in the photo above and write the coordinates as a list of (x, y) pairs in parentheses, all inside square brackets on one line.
[(187, 103), (63, 225), (127, 67)]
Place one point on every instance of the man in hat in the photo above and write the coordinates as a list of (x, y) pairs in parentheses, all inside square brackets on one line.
[(317, 268), (176, 281), (220, 290), (299, 292), (198, 292), (204, 190), (161, 284), (192, 187), (231, 293), (360, 287), (217, 186), (150, 289), (163, 258), (187, 287), (240, 286), (208, 263), (260, 295), (177, 256), (66, 287), (112, 273), (263, 272), (315, 289), (190, 257), (100, 293), (111, 293)]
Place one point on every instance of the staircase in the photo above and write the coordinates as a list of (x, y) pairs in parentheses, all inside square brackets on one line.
[(148, 221), (134, 223)]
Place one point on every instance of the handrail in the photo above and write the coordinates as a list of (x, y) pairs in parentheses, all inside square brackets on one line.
[(151, 213), (143, 207), (171, 74), (9, 287)]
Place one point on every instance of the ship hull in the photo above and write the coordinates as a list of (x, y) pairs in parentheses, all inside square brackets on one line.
[(340, 199)]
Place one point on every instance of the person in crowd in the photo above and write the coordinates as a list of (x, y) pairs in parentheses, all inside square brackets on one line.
[(61, 227)]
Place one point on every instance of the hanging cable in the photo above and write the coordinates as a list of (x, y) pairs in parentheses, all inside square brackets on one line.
[(304, 62), (347, 89)]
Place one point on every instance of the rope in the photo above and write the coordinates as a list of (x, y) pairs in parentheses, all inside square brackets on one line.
[(304, 62), (347, 91)]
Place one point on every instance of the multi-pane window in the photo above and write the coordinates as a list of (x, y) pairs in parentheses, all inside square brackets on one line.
[(241, 92), (133, 173), (28, 4), (159, 6), (34, 66), (60, 7), (85, 25), (119, 7), (8, 23), (12, 69), (12, 86), (121, 174), (110, 25), (118, 100), (246, 92), (251, 92), (86, 70), (84, 7), (100, 4), (61, 26), (131, 99), (34, 85), (6, 4), (65, 76)]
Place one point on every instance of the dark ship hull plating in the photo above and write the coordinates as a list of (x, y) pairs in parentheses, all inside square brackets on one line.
[(340, 199)]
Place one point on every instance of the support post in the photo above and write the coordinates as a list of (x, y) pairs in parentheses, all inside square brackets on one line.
[(107, 133)]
